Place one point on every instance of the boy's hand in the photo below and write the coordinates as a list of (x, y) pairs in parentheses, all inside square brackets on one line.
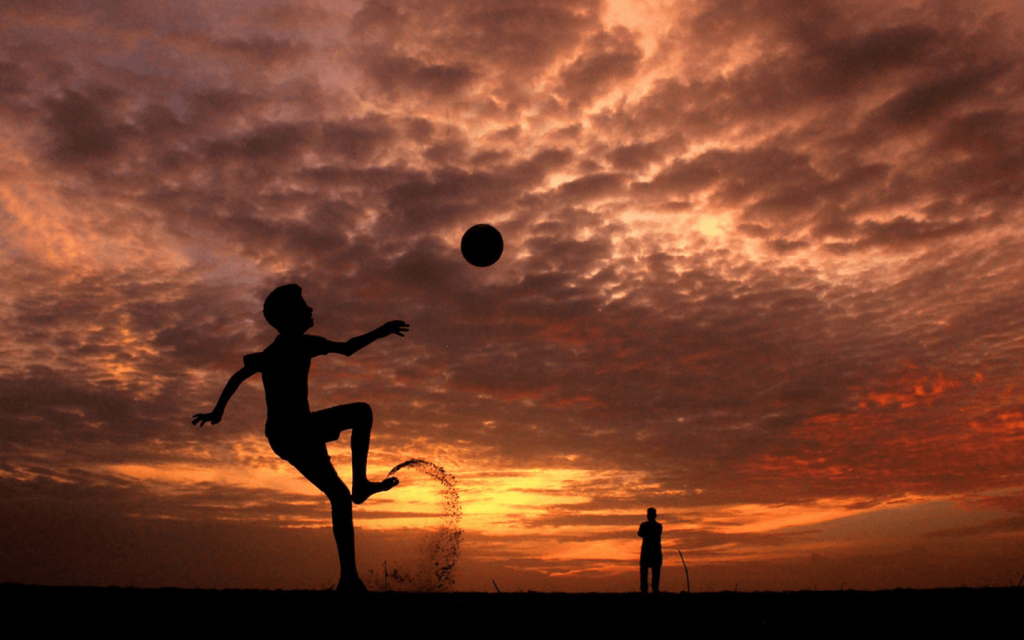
[(202, 418), (397, 327)]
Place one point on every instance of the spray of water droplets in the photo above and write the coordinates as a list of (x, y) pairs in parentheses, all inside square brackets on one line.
[(444, 548)]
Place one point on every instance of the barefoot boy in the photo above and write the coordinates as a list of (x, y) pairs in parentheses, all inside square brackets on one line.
[(300, 436)]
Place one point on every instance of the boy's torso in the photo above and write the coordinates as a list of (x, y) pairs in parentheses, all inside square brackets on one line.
[(284, 366), (651, 534)]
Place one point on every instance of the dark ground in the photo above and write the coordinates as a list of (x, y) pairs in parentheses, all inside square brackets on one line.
[(121, 611)]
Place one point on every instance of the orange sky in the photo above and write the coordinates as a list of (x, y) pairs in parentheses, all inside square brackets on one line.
[(763, 270)]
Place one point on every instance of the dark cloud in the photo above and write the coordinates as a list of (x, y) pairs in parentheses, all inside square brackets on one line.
[(13, 80), (261, 51), (919, 104), (639, 156), (455, 195), (593, 186), (358, 140), (608, 58), (84, 127), (465, 39), (435, 80)]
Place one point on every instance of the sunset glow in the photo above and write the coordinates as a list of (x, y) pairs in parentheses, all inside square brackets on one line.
[(763, 269)]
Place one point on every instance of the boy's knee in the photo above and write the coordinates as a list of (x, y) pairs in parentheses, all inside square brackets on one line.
[(340, 495), (362, 412)]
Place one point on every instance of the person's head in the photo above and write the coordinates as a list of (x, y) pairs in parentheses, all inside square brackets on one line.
[(286, 311), (652, 513)]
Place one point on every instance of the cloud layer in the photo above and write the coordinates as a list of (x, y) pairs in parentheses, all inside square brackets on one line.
[(762, 270)]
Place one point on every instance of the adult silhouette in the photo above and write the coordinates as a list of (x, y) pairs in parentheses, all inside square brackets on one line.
[(650, 550)]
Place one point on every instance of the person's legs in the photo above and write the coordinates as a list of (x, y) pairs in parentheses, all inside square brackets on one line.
[(313, 462), (358, 417), (643, 577), (655, 576)]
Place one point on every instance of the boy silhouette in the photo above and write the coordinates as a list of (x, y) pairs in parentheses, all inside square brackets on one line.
[(300, 436)]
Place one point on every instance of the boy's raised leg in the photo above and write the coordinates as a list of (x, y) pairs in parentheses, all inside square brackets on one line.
[(361, 487), (357, 416)]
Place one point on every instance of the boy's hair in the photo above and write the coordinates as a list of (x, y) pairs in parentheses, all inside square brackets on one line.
[(280, 305)]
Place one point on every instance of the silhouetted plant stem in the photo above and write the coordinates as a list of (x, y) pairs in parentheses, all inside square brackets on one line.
[(686, 570)]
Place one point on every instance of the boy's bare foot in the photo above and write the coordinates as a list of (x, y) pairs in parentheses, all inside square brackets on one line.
[(363, 490)]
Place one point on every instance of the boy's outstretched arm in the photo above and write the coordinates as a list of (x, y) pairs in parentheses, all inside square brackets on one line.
[(396, 327), (230, 388)]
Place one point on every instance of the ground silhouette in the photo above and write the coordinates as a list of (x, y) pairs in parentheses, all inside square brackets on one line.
[(266, 613)]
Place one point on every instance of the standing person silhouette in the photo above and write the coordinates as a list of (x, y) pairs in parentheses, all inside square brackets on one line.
[(650, 550), (300, 436)]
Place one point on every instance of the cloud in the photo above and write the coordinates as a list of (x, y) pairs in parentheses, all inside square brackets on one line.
[(609, 57)]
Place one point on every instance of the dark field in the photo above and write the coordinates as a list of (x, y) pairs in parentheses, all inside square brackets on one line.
[(268, 613)]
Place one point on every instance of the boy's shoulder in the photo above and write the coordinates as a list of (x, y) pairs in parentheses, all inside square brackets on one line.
[(301, 346)]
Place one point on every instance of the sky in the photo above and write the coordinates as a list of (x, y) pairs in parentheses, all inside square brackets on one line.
[(763, 270)]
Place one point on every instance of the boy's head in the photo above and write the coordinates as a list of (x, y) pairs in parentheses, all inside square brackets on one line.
[(652, 513), (286, 311)]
